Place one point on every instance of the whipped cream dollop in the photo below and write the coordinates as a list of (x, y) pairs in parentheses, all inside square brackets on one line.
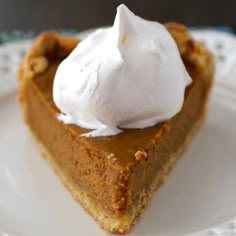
[(130, 75)]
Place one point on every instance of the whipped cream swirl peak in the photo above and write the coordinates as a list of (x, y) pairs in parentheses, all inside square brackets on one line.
[(130, 75)]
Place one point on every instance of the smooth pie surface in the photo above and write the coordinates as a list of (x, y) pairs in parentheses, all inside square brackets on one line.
[(201, 189)]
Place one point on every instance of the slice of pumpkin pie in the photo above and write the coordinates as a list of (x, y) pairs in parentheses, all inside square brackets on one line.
[(115, 111)]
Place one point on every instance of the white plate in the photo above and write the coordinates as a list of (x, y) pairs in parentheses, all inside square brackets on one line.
[(199, 194)]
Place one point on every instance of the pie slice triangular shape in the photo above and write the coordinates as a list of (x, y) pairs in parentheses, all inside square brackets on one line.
[(114, 177)]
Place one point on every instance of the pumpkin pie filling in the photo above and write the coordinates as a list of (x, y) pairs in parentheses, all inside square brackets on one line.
[(112, 177)]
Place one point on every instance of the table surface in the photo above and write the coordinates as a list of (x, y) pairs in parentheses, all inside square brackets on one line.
[(80, 15)]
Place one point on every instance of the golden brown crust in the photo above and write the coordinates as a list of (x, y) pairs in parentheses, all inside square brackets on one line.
[(47, 46), (192, 51)]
